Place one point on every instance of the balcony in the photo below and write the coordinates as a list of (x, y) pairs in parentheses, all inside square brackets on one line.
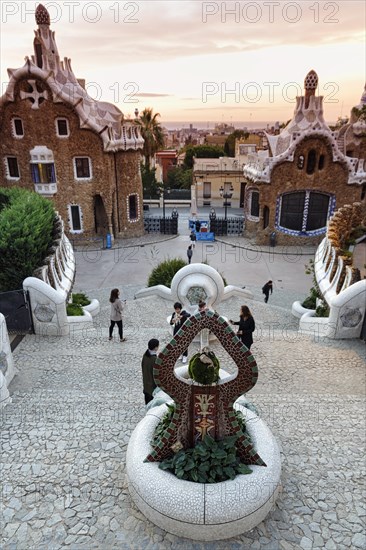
[(46, 189)]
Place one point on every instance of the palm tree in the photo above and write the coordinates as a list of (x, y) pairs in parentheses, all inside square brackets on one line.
[(152, 133)]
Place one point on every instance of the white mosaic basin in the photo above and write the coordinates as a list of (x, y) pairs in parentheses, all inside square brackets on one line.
[(203, 511)]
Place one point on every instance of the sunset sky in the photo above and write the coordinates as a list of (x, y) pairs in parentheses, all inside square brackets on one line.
[(183, 57)]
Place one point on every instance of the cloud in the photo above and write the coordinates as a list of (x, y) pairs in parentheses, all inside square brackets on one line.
[(147, 94)]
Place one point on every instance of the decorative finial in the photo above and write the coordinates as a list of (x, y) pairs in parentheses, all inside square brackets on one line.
[(311, 81), (310, 84), (42, 15)]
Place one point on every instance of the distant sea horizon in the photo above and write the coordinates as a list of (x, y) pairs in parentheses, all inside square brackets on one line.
[(178, 125)]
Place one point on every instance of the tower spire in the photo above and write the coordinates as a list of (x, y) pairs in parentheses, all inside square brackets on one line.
[(45, 47)]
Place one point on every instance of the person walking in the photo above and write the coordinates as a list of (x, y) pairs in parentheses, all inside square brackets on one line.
[(178, 319), (147, 365), (116, 314), (267, 287), (189, 253), (246, 326), (193, 238)]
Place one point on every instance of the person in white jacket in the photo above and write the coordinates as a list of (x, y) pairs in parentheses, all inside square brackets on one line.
[(116, 314)]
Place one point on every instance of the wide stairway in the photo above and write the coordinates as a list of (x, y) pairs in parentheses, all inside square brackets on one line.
[(77, 399)]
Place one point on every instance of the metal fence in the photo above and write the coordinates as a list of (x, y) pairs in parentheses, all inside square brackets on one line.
[(230, 226), (15, 306), (167, 226)]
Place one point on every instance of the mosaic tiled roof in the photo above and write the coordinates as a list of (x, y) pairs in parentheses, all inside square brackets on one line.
[(103, 118)]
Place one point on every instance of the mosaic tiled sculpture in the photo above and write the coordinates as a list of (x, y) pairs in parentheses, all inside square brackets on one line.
[(193, 283), (204, 409)]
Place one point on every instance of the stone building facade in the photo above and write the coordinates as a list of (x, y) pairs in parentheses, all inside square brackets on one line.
[(305, 177), (59, 142)]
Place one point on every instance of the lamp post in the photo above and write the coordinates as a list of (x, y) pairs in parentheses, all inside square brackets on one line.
[(226, 194)]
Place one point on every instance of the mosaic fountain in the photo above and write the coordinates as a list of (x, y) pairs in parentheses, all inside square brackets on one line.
[(203, 511)]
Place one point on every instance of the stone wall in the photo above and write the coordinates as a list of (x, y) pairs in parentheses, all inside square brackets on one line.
[(287, 177), (113, 174)]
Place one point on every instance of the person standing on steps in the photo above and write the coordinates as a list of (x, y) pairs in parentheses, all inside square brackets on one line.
[(267, 287), (116, 314), (178, 319), (147, 365), (246, 326), (189, 253)]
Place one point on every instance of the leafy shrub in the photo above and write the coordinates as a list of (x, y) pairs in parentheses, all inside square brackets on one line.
[(26, 227), (309, 302), (74, 310), (80, 299), (163, 424), (204, 367), (209, 461), (163, 273), (322, 311)]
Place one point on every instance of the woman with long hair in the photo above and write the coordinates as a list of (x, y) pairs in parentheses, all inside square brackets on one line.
[(116, 314), (246, 326)]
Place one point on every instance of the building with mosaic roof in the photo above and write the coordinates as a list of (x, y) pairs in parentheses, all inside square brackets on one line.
[(308, 172), (61, 143)]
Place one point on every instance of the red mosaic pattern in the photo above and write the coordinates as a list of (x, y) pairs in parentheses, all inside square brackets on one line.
[(204, 401), (181, 429)]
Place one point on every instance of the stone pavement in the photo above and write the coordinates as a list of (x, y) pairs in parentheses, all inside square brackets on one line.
[(239, 260), (77, 399)]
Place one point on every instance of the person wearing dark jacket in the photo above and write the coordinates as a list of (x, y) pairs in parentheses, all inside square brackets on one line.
[(189, 253), (178, 319), (267, 287), (147, 365), (246, 326)]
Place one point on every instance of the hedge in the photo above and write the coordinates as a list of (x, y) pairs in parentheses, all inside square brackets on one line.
[(26, 229)]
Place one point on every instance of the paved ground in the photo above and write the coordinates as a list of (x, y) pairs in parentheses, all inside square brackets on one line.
[(77, 400), (237, 258)]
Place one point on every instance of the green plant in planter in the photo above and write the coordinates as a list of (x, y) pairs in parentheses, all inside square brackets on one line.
[(163, 424), (322, 311), (74, 310), (204, 367), (164, 272), (80, 299), (209, 461), (310, 301)]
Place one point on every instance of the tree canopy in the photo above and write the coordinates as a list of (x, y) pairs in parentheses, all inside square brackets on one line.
[(26, 234), (201, 152), (229, 146), (152, 132)]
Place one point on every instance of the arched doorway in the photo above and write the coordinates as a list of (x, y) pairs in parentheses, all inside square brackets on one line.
[(100, 216)]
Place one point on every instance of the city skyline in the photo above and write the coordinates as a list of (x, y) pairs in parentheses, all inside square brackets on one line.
[(202, 62)]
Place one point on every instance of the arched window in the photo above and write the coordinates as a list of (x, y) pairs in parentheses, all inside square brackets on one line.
[(292, 210), (363, 191), (304, 211), (311, 162), (133, 207), (254, 204), (75, 218)]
